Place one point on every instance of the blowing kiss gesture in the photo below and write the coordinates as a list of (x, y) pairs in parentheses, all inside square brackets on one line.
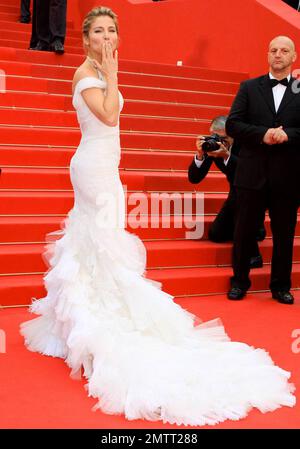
[(109, 64)]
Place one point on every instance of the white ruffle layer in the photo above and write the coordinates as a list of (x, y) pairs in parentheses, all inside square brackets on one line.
[(142, 354)]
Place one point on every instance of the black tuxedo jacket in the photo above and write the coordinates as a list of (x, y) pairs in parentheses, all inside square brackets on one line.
[(252, 114), (196, 174)]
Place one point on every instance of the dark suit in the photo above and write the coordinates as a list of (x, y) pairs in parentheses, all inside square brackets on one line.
[(25, 10), (222, 228), (293, 3), (34, 39), (49, 21), (265, 174)]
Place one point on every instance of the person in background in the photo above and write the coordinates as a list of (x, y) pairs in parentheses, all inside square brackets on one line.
[(25, 11), (49, 25), (225, 158), (265, 119)]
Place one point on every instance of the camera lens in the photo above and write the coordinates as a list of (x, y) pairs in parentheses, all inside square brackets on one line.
[(210, 145)]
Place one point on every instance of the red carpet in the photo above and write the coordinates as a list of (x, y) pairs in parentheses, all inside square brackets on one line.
[(166, 107), (37, 392)]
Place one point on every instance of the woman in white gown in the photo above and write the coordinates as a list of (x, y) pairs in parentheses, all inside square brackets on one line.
[(142, 354)]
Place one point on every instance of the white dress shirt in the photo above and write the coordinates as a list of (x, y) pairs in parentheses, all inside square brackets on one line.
[(199, 163), (278, 91)]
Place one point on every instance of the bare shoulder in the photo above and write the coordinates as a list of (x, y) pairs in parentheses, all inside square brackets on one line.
[(82, 72)]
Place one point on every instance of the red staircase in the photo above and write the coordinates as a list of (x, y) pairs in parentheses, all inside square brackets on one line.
[(165, 108)]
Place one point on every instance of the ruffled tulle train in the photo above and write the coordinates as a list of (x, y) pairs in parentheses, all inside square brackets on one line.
[(142, 354)]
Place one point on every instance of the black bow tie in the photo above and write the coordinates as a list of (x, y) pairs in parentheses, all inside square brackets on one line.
[(274, 82)]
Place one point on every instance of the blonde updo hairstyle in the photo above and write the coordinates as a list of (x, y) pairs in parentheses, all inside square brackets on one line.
[(91, 16)]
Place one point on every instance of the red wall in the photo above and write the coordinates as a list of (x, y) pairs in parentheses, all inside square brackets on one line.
[(226, 34)]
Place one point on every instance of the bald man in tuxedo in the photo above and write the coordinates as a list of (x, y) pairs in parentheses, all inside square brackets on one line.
[(265, 118)]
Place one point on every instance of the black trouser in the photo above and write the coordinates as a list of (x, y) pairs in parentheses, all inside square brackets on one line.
[(292, 3), (222, 228), (50, 20), (283, 215), (33, 39), (25, 9)]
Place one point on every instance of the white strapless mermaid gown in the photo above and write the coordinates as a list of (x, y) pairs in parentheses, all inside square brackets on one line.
[(142, 354)]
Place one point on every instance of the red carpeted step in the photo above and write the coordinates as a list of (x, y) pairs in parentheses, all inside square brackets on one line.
[(15, 229), (34, 228), (7, 25), (45, 57), (173, 110), (9, 16), (185, 71), (38, 118), (177, 96), (185, 253), (33, 203), (125, 78), (129, 123), (24, 44), (14, 3), (154, 160), (34, 101), (9, 8), (13, 43), (20, 83), (14, 15), (55, 203), (27, 258), (27, 229), (125, 65), (21, 135), (19, 290), (195, 281), (60, 157), (25, 36), (35, 156), (37, 70), (178, 182), (43, 136), (59, 178), (181, 83)]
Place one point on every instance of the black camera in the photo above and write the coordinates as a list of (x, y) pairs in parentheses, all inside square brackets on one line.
[(211, 142)]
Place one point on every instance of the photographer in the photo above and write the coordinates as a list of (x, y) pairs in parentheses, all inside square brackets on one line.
[(225, 158)]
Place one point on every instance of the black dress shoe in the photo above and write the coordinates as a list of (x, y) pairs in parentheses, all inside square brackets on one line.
[(40, 46), (22, 20), (57, 47), (256, 262), (236, 293), (283, 296)]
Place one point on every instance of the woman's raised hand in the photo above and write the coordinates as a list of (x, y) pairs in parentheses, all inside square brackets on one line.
[(109, 65)]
